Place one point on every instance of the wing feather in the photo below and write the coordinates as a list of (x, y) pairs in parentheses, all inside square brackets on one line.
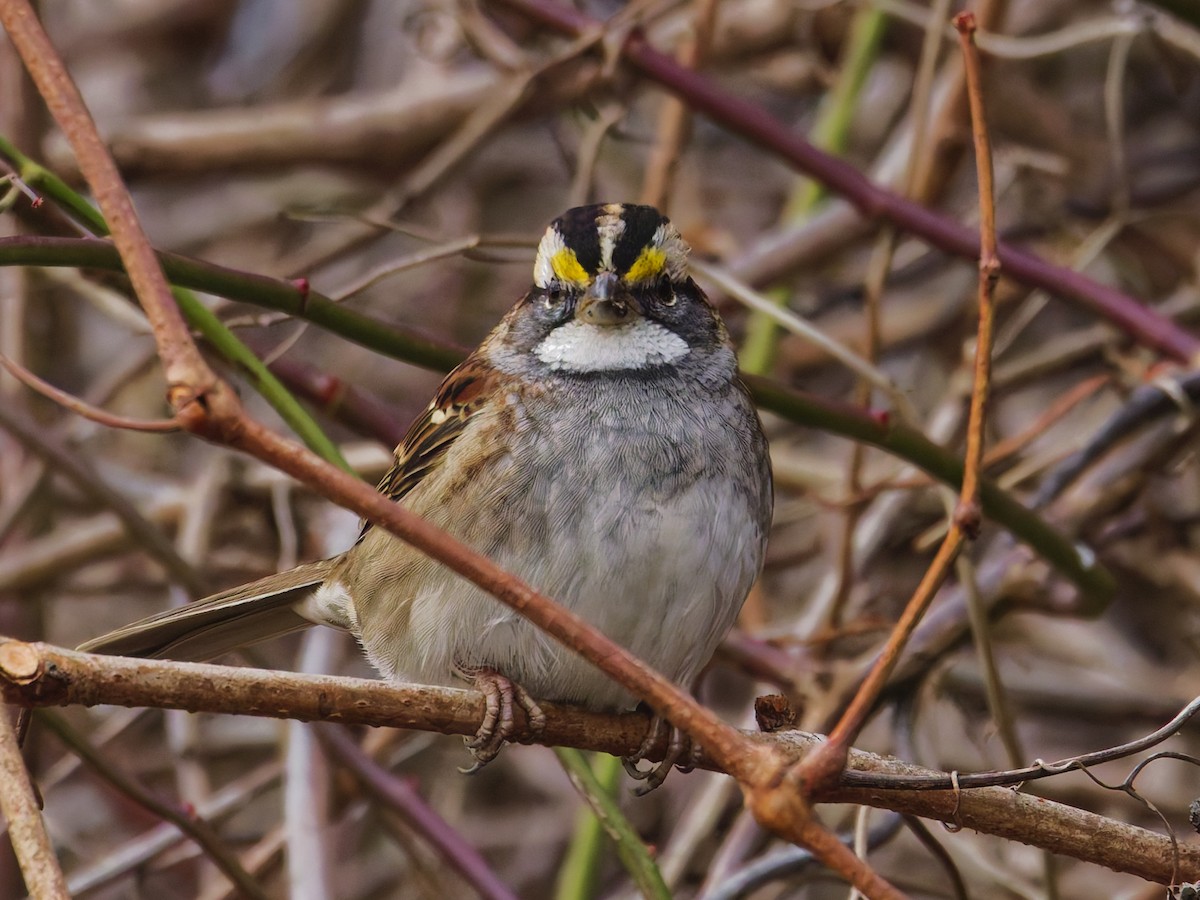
[(428, 441)]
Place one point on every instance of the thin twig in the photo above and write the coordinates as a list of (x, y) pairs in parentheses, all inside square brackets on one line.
[(823, 767), (184, 368), (81, 407), (989, 272), (190, 824)]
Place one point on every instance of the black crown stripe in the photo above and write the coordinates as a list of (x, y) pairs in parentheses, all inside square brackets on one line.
[(640, 224), (578, 229)]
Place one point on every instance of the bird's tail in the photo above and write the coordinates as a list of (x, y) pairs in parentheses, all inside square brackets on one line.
[(207, 628)]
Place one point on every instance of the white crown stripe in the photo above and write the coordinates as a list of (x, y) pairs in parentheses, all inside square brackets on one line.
[(609, 228), (543, 269)]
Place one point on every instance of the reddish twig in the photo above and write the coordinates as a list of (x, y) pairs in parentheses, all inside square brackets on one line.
[(783, 806), (399, 796), (185, 369), (968, 514), (761, 128), (822, 768), (82, 408)]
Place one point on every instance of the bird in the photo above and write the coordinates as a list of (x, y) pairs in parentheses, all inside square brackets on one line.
[(598, 444)]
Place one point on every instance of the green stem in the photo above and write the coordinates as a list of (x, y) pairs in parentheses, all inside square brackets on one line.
[(259, 290), (44, 182), (829, 132), (255, 371), (198, 316), (581, 867), (836, 113), (795, 406), (1072, 560), (577, 878)]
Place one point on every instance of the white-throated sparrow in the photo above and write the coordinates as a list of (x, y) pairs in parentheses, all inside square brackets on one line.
[(598, 444)]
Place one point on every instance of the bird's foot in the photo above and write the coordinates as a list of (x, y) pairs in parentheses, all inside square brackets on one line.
[(682, 754), (499, 693)]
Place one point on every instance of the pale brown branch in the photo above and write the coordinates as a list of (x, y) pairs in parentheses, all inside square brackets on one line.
[(26, 830), (43, 675)]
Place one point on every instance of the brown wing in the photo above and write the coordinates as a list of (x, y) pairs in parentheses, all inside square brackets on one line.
[(460, 396)]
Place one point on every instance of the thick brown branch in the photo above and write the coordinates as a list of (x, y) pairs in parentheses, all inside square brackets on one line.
[(34, 675)]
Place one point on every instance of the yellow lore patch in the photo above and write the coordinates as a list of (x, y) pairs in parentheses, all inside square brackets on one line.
[(649, 264), (566, 266)]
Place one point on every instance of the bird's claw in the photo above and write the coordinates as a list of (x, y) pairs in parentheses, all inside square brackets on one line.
[(498, 725), (682, 753)]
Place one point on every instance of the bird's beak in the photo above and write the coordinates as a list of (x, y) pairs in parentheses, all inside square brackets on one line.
[(607, 302)]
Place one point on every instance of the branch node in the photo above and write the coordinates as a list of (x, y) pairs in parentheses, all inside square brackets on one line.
[(969, 517), (965, 23), (773, 712), (20, 663)]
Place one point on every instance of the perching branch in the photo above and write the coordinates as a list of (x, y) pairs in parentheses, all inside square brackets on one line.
[(33, 675)]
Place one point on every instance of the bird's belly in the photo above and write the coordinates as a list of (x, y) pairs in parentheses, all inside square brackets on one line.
[(663, 577), (651, 528)]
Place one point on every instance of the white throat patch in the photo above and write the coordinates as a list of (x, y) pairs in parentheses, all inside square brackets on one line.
[(579, 347)]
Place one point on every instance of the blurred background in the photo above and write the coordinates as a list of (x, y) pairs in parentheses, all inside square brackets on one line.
[(404, 157)]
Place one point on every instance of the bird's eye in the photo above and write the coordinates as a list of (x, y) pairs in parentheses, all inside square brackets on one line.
[(666, 292), (555, 296)]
